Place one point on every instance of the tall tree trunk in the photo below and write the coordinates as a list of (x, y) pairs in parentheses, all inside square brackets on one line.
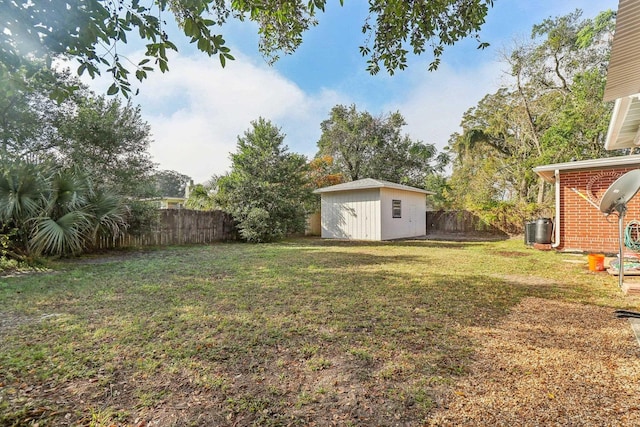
[(530, 120)]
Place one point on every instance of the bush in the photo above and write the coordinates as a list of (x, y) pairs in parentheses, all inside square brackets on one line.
[(48, 209), (257, 227), (509, 217), (8, 236), (142, 217), (267, 189)]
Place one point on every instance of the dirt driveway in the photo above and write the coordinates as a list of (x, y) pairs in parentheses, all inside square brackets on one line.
[(550, 363)]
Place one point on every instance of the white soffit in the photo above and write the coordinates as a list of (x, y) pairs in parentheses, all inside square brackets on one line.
[(547, 172), (624, 125), (623, 74)]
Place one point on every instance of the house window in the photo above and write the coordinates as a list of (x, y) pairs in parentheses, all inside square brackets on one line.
[(396, 208)]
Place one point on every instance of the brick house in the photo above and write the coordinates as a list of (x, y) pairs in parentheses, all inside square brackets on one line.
[(579, 186), (578, 224)]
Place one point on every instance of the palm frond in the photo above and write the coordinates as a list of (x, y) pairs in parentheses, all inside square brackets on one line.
[(64, 235), (69, 191), (108, 213), (21, 192)]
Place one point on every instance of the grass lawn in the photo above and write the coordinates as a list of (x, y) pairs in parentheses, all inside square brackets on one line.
[(304, 332)]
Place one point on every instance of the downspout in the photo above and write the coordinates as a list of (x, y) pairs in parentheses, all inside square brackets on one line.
[(556, 240)]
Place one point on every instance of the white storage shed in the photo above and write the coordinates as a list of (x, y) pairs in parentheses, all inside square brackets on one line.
[(372, 209)]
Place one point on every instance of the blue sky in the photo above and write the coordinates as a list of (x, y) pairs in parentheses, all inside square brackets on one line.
[(197, 110)]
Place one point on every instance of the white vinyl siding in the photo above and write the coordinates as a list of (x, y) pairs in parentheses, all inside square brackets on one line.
[(414, 214), (364, 210), (351, 215)]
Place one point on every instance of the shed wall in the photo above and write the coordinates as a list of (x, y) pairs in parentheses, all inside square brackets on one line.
[(582, 226), (413, 221), (351, 215)]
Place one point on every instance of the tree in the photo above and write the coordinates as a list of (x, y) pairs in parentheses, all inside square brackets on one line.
[(110, 141), (551, 112), (54, 210), (364, 146), (202, 197), (266, 190), (321, 173), (91, 31), (105, 137), (28, 116), (170, 183)]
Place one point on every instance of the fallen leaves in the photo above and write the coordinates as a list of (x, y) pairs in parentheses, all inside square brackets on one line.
[(550, 362)]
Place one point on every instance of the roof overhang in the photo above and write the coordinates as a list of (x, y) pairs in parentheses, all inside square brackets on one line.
[(547, 172), (623, 73), (624, 127), (369, 183), (623, 79)]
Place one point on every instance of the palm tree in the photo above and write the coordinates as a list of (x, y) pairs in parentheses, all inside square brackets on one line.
[(107, 213), (55, 210), (201, 198), (22, 195)]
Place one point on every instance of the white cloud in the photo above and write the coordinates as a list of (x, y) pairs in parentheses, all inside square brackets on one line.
[(197, 110), (437, 100)]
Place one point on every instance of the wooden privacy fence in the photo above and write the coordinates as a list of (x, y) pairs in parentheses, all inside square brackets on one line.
[(179, 227), (459, 222)]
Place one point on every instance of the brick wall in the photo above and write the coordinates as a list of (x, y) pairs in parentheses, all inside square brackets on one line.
[(582, 226)]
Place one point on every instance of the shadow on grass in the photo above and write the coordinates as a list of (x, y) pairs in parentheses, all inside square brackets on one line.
[(291, 334), (418, 243)]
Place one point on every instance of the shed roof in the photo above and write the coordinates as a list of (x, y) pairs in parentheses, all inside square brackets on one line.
[(369, 183), (547, 171)]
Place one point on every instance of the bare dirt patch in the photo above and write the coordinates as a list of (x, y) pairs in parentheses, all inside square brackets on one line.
[(525, 280), (110, 257), (512, 254), (9, 320), (549, 363)]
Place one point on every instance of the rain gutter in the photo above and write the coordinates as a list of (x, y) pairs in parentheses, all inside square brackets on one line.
[(556, 240)]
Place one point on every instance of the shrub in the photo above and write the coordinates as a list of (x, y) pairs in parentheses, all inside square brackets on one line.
[(52, 210), (142, 217)]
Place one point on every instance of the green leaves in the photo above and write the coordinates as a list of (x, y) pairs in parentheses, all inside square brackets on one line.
[(267, 188), (92, 30), (364, 146), (552, 112), (168, 183), (402, 26), (21, 191), (63, 235), (55, 211), (113, 89)]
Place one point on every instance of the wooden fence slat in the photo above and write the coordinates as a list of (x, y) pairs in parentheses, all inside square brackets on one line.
[(178, 227), (460, 222)]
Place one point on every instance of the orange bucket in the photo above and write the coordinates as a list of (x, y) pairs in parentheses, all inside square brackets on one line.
[(596, 262)]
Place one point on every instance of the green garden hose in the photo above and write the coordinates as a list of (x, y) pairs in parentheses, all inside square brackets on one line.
[(632, 235)]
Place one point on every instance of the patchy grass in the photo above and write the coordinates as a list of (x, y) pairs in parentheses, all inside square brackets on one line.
[(295, 333), (10, 267)]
